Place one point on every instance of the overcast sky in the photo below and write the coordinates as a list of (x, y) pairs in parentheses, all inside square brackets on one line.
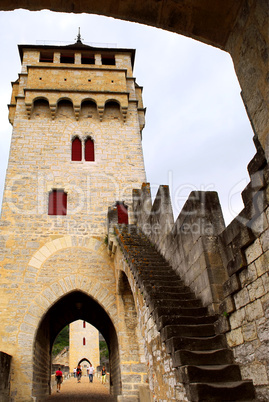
[(197, 134)]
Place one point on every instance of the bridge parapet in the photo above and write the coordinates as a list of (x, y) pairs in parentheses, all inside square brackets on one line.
[(191, 244)]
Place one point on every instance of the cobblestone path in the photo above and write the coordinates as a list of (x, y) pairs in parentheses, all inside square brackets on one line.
[(72, 391)]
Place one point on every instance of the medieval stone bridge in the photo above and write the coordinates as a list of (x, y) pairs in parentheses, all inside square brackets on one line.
[(219, 275)]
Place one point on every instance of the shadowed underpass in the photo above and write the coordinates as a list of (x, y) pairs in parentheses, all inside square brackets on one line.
[(84, 391)]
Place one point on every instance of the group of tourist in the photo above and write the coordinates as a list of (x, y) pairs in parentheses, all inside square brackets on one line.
[(78, 373)]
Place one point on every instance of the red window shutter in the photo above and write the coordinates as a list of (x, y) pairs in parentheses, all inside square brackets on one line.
[(76, 150), (51, 203), (89, 150), (122, 213), (61, 203), (57, 202)]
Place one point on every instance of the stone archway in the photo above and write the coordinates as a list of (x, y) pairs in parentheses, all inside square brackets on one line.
[(208, 21), (73, 306)]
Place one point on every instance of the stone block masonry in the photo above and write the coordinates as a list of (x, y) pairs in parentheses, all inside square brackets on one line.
[(226, 267), (180, 327), (246, 292), (191, 244), (55, 268), (28, 296)]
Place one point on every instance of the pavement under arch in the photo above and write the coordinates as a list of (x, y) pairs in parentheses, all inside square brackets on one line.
[(73, 391)]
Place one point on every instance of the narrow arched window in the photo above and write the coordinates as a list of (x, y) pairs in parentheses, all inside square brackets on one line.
[(84, 324), (57, 202), (76, 150), (84, 341), (89, 150)]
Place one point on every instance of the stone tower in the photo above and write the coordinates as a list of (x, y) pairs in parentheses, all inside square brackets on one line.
[(83, 345), (77, 117)]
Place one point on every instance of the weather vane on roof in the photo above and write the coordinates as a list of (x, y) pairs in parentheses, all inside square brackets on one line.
[(79, 39)]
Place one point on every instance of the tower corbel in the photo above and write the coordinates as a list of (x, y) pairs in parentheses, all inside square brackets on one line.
[(77, 110), (124, 111), (53, 110), (101, 112), (28, 109)]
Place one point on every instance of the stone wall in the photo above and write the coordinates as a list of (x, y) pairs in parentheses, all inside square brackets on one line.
[(41, 362), (191, 244), (228, 268), (249, 47), (5, 361), (245, 308), (156, 375)]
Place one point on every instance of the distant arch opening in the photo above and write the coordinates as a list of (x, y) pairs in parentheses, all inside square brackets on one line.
[(71, 307), (84, 360), (84, 364)]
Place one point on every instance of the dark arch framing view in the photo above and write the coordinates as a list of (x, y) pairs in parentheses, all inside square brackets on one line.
[(74, 306)]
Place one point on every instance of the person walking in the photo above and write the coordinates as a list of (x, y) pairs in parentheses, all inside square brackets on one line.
[(59, 379), (91, 373), (79, 373), (103, 375)]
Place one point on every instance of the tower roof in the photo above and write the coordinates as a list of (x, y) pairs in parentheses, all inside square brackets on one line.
[(78, 45)]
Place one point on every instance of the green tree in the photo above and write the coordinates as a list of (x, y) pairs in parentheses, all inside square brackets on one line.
[(61, 342), (104, 354)]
